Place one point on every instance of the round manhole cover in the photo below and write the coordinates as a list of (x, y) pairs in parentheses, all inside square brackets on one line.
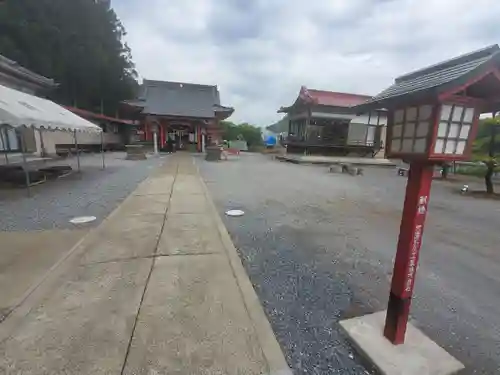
[(82, 219), (235, 213)]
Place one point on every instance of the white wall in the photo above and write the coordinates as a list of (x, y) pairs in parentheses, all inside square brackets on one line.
[(58, 137), (362, 129)]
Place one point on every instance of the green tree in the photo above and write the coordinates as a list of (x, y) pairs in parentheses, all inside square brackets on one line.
[(230, 130), (78, 43), (486, 146), (250, 133), (244, 131)]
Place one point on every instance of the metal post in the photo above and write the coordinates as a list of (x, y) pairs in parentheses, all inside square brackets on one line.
[(410, 239), (4, 145), (155, 142), (102, 150), (77, 153), (25, 164), (42, 144)]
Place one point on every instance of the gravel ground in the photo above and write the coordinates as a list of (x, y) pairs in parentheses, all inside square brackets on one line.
[(319, 247), (93, 192)]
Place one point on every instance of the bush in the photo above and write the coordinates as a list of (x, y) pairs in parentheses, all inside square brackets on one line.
[(479, 170)]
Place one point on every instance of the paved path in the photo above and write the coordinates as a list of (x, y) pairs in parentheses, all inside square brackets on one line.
[(157, 288), (26, 256)]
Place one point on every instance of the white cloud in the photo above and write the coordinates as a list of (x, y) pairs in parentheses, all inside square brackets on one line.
[(260, 52)]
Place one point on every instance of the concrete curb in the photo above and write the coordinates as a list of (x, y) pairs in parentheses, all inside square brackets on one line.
[(265, 335), (298, 160)]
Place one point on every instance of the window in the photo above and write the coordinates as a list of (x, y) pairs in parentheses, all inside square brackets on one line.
[(411, 129), (455, 122), (370, 134)]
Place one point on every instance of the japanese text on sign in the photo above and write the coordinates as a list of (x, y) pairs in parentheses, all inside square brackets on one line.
[(422, 205), (412, 264), (416, 242)]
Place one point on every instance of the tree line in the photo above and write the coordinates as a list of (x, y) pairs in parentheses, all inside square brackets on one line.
[(244, 131), (78, 43)]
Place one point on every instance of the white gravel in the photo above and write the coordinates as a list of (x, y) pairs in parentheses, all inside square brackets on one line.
[(93, 192), (319, 247)]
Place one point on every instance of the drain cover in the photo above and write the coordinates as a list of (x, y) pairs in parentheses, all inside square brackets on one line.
[(82, 219), (235, 213)]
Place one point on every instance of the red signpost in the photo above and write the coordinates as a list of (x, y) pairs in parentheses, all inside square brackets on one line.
[(433, 116), (410, 239)]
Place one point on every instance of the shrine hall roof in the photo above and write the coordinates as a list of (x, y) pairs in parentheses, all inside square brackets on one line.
[(336, 99), (327, 98), (166, 98), (435, 79)]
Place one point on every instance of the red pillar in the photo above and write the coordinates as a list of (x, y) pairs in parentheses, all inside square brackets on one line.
[(162, 134), (418, 189), (146, 130), (198, 140)]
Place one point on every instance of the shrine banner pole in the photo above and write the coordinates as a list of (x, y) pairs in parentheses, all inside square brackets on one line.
[(418, 189), (102, 150), (77, 153), (155, 142)]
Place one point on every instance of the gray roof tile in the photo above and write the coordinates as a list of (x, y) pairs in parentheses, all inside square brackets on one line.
[(12, 67), (435, 77), (179, 99), (430, 80)]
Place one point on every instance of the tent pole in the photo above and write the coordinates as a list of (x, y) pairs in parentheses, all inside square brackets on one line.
[(25, 164), (102, 150), (4, 145), (42, 144), (77, 153)]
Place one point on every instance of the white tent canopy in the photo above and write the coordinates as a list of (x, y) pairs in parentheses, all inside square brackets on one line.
[(20, 109)]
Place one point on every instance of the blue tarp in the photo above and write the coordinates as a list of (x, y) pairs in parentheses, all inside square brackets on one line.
[(271, 140)]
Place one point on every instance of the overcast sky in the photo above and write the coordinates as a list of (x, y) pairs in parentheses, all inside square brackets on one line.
[(259, 52)]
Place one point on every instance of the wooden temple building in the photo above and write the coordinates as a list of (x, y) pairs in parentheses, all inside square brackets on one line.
[(188, 114), (19, 78), (324, 122)]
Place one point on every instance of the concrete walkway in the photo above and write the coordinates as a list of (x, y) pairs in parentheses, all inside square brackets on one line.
[(157, 288)]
